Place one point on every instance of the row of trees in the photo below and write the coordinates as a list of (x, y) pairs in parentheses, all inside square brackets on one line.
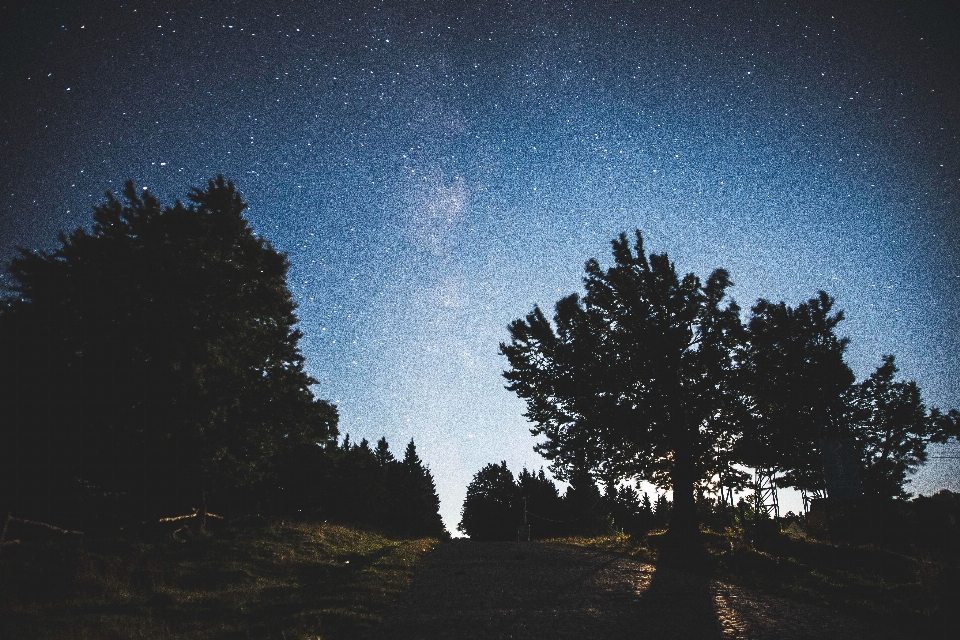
[(650, 376), (497, 505), (151, 364), (366, 486)]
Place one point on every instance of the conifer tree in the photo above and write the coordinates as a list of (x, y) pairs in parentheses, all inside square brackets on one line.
[(544, 505), (624, 505), (382, 453), (418, 502)]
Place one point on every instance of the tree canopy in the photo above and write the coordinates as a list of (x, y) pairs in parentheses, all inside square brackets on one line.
[(794, 379), (893, 428), (626, 381), (488, 511), (497, 504), (655, 377), (151, 359), (360, 485)]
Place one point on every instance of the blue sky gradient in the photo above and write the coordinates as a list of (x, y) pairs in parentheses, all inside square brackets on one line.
[(435, 169)]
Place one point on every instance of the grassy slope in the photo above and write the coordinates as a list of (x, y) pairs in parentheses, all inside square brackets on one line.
[(297, 580), (291, 580), (909, 589)]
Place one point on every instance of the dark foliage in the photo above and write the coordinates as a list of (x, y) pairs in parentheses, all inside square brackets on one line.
[(653, 377), (629, 381), (496, 507), (545, 509), (795, 379), (355, 484), (628, 511), (586, 511), (151, 360), (490, 509), (929, 523), (416, 507), (893, 428)]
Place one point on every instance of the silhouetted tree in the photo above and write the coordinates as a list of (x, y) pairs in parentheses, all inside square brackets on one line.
[(646, 510), (893, 429), (382, 453), (795, 378), (303, 477), (727, 475), (358, 495), (489, 510), (415, 495), (661, 510), (150, 360), (586, 512), (546, 514), (627, 381)]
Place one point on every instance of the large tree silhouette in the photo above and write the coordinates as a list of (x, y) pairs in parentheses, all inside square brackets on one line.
[(627, 381), (151, 359), (795, 378)]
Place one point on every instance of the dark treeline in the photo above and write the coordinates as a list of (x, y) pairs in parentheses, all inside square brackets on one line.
[(656, 377), (150, 365), (497, 504), (356, 484)]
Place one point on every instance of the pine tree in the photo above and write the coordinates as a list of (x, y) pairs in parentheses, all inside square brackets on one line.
[(418, 503), (382, 453), (646, 512), (545, 508), (661, 510), (625, 506), (584, 506)]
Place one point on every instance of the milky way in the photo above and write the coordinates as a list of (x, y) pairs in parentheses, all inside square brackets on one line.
[(435, 169)]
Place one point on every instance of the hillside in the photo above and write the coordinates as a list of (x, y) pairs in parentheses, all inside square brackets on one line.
[(319, 580), (263, 580)]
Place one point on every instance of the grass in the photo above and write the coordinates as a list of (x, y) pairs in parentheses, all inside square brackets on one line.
[(909, 588), (268, 580), (302, 580)]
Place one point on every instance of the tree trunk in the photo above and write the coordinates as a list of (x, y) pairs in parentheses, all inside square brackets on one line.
[(684, 521)]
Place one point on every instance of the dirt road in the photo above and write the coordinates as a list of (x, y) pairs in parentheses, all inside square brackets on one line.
[(494, 590)]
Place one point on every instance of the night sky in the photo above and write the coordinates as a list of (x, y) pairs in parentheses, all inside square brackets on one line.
[(434, 169)]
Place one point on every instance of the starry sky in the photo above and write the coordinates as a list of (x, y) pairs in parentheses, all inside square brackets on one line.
[(434, 169)]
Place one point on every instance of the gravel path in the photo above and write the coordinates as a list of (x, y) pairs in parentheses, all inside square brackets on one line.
[(516, 590)]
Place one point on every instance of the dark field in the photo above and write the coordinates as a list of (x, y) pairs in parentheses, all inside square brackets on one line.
[(299, 580)]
